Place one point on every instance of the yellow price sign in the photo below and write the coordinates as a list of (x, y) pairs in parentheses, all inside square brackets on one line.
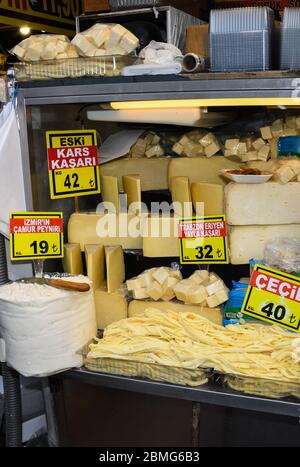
[(36, 235), (73, 163), (273, 296), (202, 240)]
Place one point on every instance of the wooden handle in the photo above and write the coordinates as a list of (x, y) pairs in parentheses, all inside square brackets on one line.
[(68, 285)]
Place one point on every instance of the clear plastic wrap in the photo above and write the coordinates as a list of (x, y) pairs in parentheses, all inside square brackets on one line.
[(105, 39), (283, 254), (41, 47)]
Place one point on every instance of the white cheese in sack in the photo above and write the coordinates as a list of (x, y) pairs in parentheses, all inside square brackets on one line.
[(262, 204), (45, 329)]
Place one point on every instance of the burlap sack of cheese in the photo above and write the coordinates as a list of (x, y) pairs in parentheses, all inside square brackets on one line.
[(44, 47), (105, 39)]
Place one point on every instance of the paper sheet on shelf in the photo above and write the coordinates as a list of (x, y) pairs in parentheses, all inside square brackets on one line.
[(11, 176), (153, 69), (118, 145)]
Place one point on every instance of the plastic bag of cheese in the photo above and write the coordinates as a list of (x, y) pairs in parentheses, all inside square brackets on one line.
[(105, 39), (283, 254), (45, 329), (44, 47)]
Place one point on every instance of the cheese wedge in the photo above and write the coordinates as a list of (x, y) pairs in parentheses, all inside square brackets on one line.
[(181, 196), (110, 192), (110, 307), (132, 188), (95, 264), (72, 261), (115, 267), (208, 196), (137, 307)]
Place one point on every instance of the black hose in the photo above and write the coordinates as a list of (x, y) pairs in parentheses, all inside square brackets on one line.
[(11, 379)]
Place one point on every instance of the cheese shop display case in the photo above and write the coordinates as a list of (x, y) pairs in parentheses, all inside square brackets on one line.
[(171, 336)]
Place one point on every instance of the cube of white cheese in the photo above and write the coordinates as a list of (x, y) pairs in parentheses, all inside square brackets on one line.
[(115, 35), (132, 284), (182, 290), (284, 174), (198, 295), (277, 128), (33, 52), (160, 275), (207, 139), (231, 143), (263, 152), (266, 132), (214, 287), (242, 149), (155, 291), (140, 293), (19, 51), (290, 122), (155, 151), (49, 52), (84, 46), (212, 149), (129, 42), (178, 149), (258, 143)]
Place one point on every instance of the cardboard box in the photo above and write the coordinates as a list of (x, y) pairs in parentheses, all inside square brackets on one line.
[(91, 6), (197, 40)]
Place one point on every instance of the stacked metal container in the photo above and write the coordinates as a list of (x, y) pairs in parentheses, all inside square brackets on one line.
[(290, 40), (241, 39)]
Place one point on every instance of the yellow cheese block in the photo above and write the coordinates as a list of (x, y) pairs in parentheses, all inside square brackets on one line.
[(110, 307), (72, 261), (110, 192), (105, 229), (115, 267), (132, 188), (181, 195), (153, 172), (212, 195), (95, 264), (200, 169), (160, 236), (137, 307)]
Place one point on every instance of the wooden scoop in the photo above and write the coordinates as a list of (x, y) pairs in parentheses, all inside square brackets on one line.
[(58, 284)]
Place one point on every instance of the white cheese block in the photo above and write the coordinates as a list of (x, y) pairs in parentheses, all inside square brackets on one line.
[(110, 307), (49, 52), (132, 188), (262, 204), (129, 42), (72, 261), (246, 242), (181, 196), (115, 267), (110, 192), (211, 197), (160, 236), (153, 172), (83, 45), (95, 264), (200, 169), (137, 307), (106, 229), (115, 35)]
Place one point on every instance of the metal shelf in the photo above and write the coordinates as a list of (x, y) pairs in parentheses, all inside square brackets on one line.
[(207, 394), (259, 85)]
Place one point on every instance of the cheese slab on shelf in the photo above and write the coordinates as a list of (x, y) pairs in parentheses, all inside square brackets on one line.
[(72, 261), (200, 169), (105, 229), (262, 204), (137, 307), (110, 307), (132, 188), (181, 195), (115, 267), (95, 264), (212, 197), (110, 192), (246, 242), (153, 172), (160, 236)]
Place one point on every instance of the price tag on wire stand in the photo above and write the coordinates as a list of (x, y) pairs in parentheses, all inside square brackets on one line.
[(36, 235), (202, 240), (273, 296), (73, 163)]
